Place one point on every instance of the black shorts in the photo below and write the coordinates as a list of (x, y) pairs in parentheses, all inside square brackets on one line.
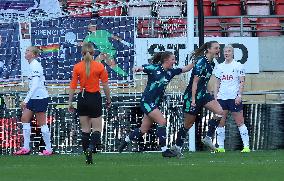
[(230, 105), (37, 105), (187, 108), (90, 104)]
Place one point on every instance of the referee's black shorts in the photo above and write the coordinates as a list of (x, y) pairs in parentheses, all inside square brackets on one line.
[(90, 104)]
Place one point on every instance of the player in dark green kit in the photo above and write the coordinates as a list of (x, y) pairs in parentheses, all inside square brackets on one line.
[(159, 74), (196, 95), (101, 39)]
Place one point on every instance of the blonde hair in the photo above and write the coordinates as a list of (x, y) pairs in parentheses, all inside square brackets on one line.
[(34, 50), (88, 52), (230, 47)]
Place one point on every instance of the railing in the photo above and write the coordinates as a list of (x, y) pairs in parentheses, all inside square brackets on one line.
[(248, 26), (264, 121)]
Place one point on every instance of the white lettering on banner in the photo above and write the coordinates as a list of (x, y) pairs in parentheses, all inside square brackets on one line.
[(49, 32), (245, 49)]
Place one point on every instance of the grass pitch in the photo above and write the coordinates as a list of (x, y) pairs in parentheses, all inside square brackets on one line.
[(201, 166)]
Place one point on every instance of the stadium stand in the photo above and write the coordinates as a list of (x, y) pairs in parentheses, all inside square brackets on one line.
[(268, 27), (212, 27), (235, 26)]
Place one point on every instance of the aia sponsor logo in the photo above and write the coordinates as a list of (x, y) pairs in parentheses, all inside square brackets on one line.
[(227, 77)]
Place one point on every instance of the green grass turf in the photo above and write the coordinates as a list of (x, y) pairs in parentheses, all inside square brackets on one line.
[(201, 166)]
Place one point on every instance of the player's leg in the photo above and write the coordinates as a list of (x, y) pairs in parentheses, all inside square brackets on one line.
[(26, 117), (189, 120), (111, 53), (95, 140), (95, 114), (220, 131), (158, 117), (137, 133), (85, 123), (212, 125), (237, 114), (46, 135)]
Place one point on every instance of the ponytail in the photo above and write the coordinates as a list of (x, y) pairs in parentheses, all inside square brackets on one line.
[(88, 52), (88, 59), (201, 50)]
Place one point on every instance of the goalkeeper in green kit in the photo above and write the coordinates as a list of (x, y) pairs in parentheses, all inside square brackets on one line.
[(101, 39)]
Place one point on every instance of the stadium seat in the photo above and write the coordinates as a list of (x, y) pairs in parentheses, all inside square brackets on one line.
[(233, 27), (207, 8), (279, 7), (268, 27), (176, 27), (147, 28), (228, 7), (258, 7), (212, 28)]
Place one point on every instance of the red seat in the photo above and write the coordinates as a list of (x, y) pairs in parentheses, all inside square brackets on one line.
[(268, 27), (228, 7), (212, 27), (207, 8), (279, 7), (176, 27), (258, 7), (149, 29)]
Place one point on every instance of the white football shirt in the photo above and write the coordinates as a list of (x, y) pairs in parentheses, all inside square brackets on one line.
[(37, 89), (229, 75)]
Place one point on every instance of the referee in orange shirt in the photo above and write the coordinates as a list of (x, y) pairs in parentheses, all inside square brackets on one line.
[(89, 106)]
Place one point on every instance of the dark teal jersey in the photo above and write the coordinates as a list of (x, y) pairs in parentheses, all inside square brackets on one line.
[(203, 69), (158, 79)]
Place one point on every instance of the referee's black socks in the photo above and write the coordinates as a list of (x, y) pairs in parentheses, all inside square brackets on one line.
[(85, 140), (95, 142)]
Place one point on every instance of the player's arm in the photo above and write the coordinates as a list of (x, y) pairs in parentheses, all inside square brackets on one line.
[(242, 85), (187, 67), (34, 86), (116, 38), (217, 87), (104, 78), (35, 80), (121, 40), (194, 89), (72, 88), (137, 69)]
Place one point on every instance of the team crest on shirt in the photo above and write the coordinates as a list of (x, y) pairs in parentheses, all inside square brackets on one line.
[(152, 105)]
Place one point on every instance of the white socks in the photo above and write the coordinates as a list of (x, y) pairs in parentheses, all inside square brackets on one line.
[(46, 137), (244, 135), (220, 136), (27, 135)]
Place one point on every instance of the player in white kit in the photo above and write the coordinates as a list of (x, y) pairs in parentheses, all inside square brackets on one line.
[(230, 84), (36, 102)]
